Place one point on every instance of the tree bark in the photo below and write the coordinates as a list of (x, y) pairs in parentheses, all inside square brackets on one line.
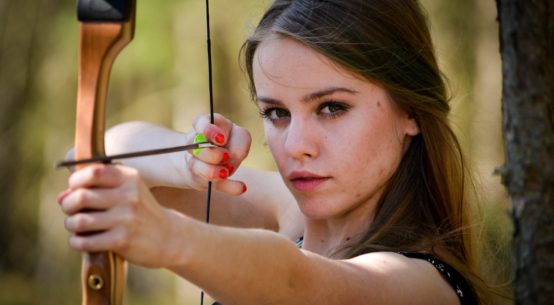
[(527, 48)]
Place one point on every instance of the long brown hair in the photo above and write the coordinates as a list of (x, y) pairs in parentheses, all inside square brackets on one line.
[(425, 206)]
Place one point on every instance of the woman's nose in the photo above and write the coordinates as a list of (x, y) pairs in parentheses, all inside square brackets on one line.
[(301, 139)]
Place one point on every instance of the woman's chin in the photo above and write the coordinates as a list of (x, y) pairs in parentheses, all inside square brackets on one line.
[(315, 210)]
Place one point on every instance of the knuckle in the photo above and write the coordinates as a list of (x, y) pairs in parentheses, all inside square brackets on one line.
[(223, 119), (132, 172), (122, 243), (218, 173), (95, 172), (67, 223), (80, 222), (245, 134), (98, 171), (79, 243), (80, 199), (214, 155), (201, 170), (128, 174), (199, 185), (190, 164), (132, 212), (134, 199), (198, 121), (221, 186), (130, 192)]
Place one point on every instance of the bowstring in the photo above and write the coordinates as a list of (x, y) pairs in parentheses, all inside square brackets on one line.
[(210, 86)]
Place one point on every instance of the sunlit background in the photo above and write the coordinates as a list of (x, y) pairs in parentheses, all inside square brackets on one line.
[(162, 77)]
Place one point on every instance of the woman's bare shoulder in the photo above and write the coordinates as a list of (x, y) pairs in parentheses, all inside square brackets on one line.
[(406, 280)]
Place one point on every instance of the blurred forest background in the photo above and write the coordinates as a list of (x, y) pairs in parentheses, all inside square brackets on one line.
[(162, 77)]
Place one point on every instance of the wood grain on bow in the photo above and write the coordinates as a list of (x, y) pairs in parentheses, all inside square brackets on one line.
[(107, 26)]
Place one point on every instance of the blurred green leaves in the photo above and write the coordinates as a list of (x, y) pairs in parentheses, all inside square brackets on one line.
[(162, 77)]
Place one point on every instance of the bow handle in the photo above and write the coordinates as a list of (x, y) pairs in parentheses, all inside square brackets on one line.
[(106, 28)]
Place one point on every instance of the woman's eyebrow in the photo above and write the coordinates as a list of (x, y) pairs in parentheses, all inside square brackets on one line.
[(308, 98), (268, 100), (321, 93)]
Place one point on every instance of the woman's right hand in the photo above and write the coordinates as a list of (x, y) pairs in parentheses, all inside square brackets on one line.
[(218, 163)]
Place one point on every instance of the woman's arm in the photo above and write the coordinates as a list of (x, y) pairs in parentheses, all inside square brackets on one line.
[(158, 170), (267, 203), (236, 266)]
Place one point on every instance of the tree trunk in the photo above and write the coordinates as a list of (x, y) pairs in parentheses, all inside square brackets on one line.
[(527, 47)]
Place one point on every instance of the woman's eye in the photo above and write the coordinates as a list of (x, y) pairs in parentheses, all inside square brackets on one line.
[(333, 109), (274, 114)]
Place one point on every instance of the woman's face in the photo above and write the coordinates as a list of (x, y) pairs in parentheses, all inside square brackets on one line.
[(336, 138)]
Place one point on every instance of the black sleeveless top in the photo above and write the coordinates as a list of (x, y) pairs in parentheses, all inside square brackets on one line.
[(460, 285), (463, 290)]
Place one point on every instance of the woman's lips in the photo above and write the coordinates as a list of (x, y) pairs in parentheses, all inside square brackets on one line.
[(305, 182)]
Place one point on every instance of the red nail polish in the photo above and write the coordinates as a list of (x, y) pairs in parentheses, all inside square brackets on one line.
[(223, 174), (230, 168), (225, 158), (62, 195), (219, 138), (244, 188)]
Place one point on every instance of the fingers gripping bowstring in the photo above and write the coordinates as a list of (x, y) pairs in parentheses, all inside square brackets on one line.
[(210, 84)]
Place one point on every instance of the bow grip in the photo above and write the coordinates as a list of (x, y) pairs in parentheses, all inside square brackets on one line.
[(106, 28)]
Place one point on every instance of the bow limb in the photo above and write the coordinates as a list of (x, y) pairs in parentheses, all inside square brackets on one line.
[(104, 33)]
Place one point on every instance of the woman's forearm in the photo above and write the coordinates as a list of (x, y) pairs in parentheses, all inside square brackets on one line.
[(211, 256), (253, 266), (160, 170)]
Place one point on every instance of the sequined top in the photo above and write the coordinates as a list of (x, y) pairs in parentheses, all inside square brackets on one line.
[(460, 285)]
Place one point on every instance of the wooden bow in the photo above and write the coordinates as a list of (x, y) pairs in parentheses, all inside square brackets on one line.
[(107, 26)]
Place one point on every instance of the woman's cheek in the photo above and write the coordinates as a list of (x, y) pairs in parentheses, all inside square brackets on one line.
[(272, 138)]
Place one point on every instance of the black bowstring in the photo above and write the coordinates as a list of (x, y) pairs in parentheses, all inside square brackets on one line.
[(210, 84)]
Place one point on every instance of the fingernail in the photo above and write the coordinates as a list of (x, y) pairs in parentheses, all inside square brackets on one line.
[(62, 195), (230, 168), (225, 158), (244, 188), (223, 173), (219, 138)]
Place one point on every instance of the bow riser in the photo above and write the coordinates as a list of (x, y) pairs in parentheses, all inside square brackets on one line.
[(100, 44), (103, 273)]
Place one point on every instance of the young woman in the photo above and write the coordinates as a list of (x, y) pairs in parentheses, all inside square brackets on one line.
[(371, 184)]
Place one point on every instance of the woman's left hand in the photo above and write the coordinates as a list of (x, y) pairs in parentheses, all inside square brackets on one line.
[(109, 208)]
